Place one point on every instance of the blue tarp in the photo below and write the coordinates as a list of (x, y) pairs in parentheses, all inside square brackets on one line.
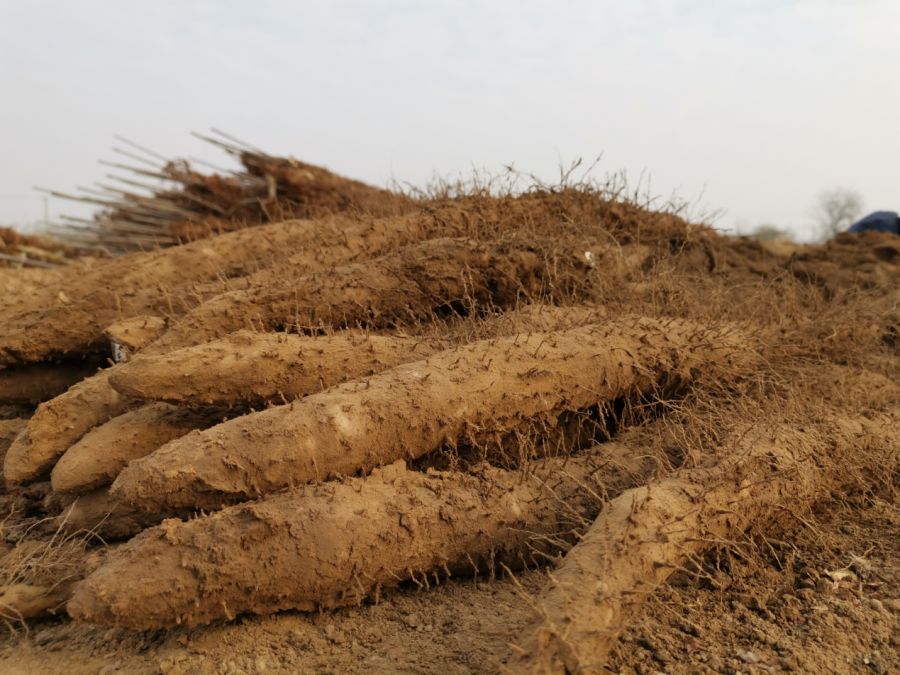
[(879, 221)]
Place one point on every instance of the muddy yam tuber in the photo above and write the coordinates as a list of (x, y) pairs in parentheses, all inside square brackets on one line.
[(471, 393)]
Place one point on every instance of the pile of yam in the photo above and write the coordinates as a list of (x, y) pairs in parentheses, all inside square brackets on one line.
[(309, 392)]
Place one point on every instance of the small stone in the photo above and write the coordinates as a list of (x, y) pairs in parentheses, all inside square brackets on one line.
[(261, 665), (877, 605), (412, 620), (873, 661), (748, 656)]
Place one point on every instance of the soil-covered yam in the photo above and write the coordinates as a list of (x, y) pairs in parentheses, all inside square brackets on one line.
[(438, 277), (647, 533), (471, 394), (70, 318), (96, 459), (59, 423), (248, 367), (130, 335), (337, 543)]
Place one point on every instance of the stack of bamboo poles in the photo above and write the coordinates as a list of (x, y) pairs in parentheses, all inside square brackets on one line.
[(21, 250), (155, 202)]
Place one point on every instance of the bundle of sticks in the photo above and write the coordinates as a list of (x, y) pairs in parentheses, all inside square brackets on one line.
[(152, 201)]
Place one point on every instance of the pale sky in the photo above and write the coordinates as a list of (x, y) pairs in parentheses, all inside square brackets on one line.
[(751, 107)]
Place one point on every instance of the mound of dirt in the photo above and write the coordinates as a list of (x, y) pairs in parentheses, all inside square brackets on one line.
[(851, 261)]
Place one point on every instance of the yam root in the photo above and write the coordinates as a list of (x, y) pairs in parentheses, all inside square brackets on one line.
[(252, 368), (71, 313), (59, 423), (96, 459), (9, 429), (35, 383), (411, 285), (648, 533), (71, 319), (340, 543), (615, 466), (472, 394)]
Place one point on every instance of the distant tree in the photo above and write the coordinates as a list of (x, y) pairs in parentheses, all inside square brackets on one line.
[(836, 210), (770, 233)]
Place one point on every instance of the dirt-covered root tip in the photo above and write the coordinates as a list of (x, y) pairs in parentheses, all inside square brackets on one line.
[(129, 336), (19, 602), (59, 423), (9, 429), (96, 459), (97, 515)]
